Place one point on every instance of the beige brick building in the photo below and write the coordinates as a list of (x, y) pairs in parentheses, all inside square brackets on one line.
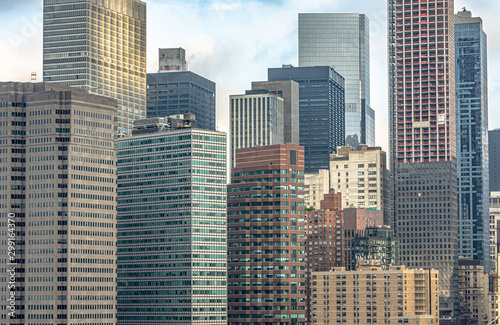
[(373, 296), (362, 178), (315, 188)]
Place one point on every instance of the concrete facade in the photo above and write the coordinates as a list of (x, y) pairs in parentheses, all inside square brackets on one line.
[(315, 188)]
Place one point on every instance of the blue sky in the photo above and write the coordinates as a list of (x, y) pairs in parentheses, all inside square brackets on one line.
[(234, 42)]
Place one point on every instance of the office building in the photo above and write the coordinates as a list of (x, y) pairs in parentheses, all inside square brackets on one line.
[(422, 139), (371, 295), (378, 243), (171, 248), (494, 230), (289, 91), (342, 41), (356, 221), (266, 267), (315, 188), (473, 286), (256, 120), (321, 111), (494, 158), (58, 157), (472, 138), (99, 46), (172, 59), (362, 178), (181, 92)]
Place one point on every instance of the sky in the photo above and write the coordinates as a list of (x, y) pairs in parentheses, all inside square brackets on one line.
[(234, 42)]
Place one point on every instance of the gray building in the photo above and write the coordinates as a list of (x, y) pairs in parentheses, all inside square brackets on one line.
[(57, 177), (181, 92), (98, 45), (494, 159), (289, 91), (471, 86), (321, 111), (342, 41), (378, 243), (171, 248), (172, 59), (256, 120)]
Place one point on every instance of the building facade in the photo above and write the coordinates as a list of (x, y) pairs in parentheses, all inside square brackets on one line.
[(256, 120), (181, 92), (289, 91), (378, 243), (342, 41), (58, 157), (473, 286), (356, 221), (371, 295), (494, 157), (315, 188), (321, 94), (172, 59), (494, 230), (98, 45), (171, 248), (472, 137), (423, 141), (362, 178), (266, 266)]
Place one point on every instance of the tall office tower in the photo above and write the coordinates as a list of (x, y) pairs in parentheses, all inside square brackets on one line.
[(423, 143), (414, 303), (494, 158), (99, 45), (256, 120), (356, 221), (315, 188), (378, 243), (472, 138), (362, 178), (171, 224), (172, 59), (266, 268), (181, 92), (321, 111), (342, 41), (289, 91), (58, 170)]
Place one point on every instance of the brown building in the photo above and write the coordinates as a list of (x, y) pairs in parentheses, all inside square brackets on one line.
[(355, 223), (266, 241), (473, 291), (324, 245), (374, 296)]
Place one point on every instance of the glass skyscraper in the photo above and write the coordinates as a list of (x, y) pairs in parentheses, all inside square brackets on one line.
[(181, 92), (99, 45), (321, 111), (171, 227), (341, 41), (472, 137)]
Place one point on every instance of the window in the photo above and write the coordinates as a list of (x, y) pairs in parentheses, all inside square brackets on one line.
[(293, 157)]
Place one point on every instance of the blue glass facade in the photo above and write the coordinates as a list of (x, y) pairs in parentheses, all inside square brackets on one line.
[(171, 228), (321, 111), (472, 137), (182, 92), (341, 40)]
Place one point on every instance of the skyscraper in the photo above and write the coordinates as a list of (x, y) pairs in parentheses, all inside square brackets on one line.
[(181, 92), (99, 45), (289, 91), (58, 157), (342, 41), (171, 249), (266, 268), (472, 138), (256, 120), (321, 111), (422, 138), (494, 158)]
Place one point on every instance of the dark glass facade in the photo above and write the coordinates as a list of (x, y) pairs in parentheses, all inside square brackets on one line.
[(472, 137), (378, 243), (182, 92), (321, 111), (494, 155)]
